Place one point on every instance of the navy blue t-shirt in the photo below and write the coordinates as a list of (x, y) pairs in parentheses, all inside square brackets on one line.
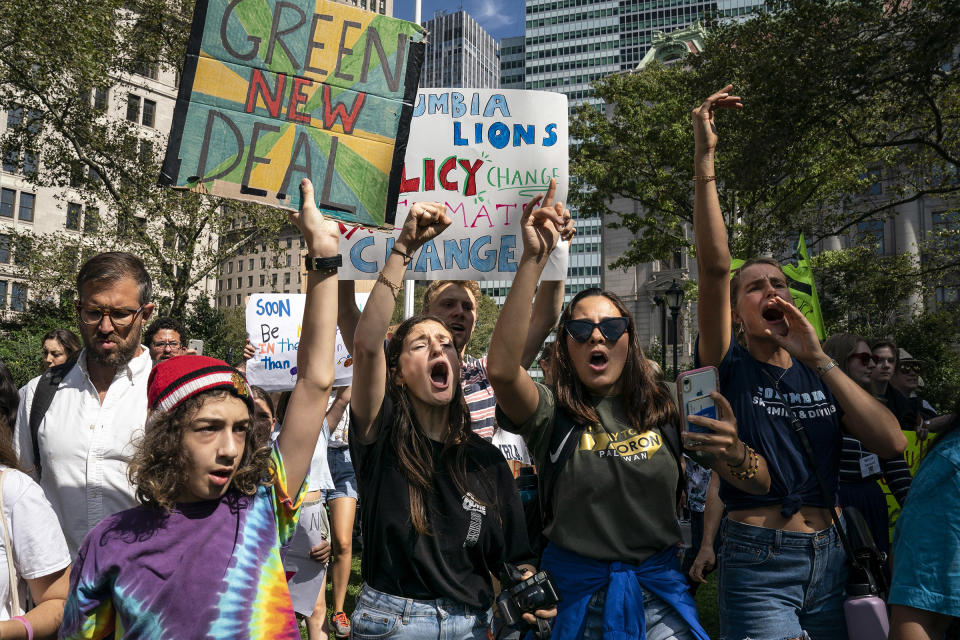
[(757, 392)]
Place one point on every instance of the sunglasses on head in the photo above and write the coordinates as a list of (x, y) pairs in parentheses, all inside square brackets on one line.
[(610, 328), (910, 367), (864, 358)]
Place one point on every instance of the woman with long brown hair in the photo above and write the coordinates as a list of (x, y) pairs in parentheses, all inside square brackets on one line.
[(611, 516), (782, 569), (440, 510)]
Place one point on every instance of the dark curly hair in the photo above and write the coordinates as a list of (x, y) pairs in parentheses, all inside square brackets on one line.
[(158, 468), (412, 446)]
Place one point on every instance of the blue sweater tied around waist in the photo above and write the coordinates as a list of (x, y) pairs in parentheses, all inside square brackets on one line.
[(578, 578)]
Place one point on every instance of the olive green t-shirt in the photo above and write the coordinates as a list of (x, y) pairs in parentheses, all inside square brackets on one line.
[(615, 496)]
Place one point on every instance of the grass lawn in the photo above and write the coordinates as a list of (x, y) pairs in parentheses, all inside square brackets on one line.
[(706, 600)]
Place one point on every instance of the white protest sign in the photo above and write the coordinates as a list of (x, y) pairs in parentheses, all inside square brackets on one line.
[(312, 528), (485, 153), (274, 321)]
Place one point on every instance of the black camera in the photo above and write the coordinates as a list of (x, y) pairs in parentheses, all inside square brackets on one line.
[(526, 596)]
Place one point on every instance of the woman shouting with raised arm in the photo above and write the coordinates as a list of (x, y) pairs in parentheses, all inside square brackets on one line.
[(606, 442), (782, 569), (440, 508)]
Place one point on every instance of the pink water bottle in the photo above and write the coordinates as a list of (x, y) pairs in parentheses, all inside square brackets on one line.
[(866, 617)]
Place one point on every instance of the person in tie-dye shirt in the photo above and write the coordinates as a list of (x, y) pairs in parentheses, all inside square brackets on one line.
[(200, 558)]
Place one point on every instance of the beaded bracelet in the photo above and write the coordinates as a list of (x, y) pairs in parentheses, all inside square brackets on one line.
[(753, 465), (393, 286), (704, 178)]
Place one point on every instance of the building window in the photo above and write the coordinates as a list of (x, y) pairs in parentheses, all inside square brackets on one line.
[(27, 201), (133, 107), (148, 70), (229, 267), (73, 216), (238, 299), (250, 264), (91, 220), (286, 278), (263, 280), (876, 186), (149, 112), (239, 265), (3, 294), (263, 263), (4, 248), (239, 282), (870, 232), (18, 297), (288, 260), (249, 281), (100, 97), (7, 199)]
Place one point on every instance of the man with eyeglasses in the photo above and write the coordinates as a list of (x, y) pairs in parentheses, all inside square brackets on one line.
[(81, 446), (165, 338)]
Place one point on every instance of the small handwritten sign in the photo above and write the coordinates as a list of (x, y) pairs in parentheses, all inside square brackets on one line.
[(274, 322)]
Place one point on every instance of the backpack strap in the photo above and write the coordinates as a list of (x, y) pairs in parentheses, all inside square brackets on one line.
[(42, 398), (671, 433), (563, 442)]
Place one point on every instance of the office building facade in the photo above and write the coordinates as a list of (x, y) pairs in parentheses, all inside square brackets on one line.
[(459, 53)]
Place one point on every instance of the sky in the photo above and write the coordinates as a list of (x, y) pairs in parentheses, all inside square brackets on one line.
[(501, 18)]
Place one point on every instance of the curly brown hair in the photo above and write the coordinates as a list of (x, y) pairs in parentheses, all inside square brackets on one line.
[(158, 468)]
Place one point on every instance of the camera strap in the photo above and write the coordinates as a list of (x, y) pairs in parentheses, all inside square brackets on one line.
[(805, 443)]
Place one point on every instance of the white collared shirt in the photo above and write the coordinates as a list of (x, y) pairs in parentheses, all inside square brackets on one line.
[(85, 447)]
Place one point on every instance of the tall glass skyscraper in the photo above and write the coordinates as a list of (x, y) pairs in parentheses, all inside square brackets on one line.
[(460, 53)]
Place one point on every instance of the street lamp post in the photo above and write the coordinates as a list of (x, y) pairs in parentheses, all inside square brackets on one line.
[(662, 304), (674, 296)]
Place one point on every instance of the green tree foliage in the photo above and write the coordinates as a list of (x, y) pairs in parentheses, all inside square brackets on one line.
[(54, 59), (222, 330), (863, 292), (21, 339), (832, 92)]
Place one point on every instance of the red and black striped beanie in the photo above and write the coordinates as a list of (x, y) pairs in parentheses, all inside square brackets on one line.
[(174, 380)]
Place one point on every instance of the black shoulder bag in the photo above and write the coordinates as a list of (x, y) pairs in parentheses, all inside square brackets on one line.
[(866, 576), (42, 398)]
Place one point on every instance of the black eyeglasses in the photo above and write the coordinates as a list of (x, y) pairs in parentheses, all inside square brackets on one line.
[(864, 358), (118, 317), (610, 328)]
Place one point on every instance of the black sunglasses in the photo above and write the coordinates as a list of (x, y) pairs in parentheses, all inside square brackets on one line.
[(864, 358), (610, 328)]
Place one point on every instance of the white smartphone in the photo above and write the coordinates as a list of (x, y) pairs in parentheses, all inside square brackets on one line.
[(197, 345), (693, 394)]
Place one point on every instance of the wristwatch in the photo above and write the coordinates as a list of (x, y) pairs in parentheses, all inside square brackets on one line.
[(823, 368), (331, 263)]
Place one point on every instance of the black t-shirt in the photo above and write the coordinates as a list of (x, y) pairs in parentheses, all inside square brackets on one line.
[(470, 535)]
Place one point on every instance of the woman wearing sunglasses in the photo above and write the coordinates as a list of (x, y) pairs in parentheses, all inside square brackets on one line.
[(859, 469), (608, 432), (782, 569)]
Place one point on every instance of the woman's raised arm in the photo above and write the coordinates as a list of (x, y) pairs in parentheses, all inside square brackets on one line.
[(710, 233), (425, 221), (316, 352), (540, 229)]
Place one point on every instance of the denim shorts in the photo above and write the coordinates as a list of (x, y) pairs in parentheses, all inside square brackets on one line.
[(344, 478), (776, 584), (663, 622), (381, 615)]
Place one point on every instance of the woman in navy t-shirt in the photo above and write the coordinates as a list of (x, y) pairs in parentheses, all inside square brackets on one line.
[(782, 569)]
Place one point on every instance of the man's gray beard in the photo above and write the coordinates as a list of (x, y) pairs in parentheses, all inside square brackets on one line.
[(120, 356)]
